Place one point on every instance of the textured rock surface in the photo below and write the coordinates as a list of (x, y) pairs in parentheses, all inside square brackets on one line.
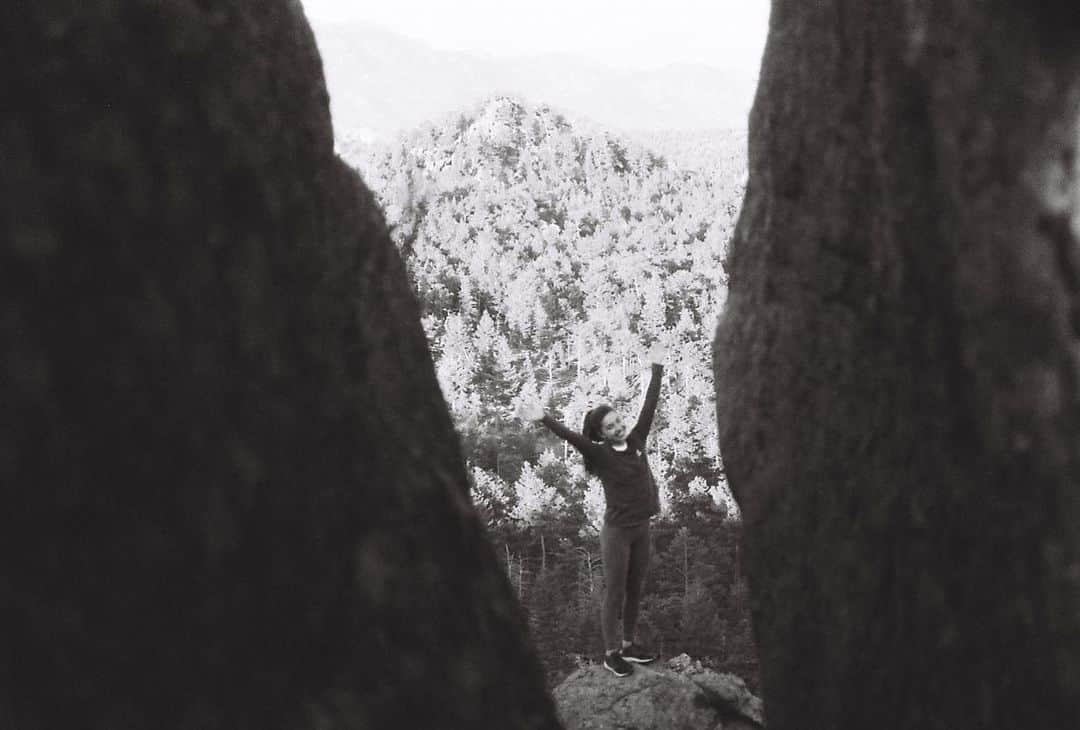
[(898, 380), (658, 698), (232, 493), (729, 690)]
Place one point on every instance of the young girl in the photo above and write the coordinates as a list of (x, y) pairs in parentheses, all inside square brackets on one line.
[(617, 456)]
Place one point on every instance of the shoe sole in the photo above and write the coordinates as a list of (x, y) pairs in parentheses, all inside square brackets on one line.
[(639, 661), (615, 672)]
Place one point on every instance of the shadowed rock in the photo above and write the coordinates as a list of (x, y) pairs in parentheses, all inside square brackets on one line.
[(233, 497), (897, 368)]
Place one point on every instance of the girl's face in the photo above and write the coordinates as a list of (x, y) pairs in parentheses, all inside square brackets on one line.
[(613, 427)]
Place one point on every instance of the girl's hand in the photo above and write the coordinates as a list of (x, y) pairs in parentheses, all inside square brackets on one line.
[(530, 411), (657, 353)]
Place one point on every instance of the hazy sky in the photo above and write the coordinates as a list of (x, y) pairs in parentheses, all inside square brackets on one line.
[(725, 33)]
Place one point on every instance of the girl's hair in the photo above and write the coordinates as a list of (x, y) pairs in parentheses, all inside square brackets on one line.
[(590, 429)]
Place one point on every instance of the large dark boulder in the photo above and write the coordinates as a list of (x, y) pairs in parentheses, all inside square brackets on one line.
[(232, 495), (898, 372)]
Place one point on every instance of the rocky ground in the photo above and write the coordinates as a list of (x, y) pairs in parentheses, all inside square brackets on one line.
[(681, 695)]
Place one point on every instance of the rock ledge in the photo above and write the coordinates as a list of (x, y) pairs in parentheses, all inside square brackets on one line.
[(681, 696)]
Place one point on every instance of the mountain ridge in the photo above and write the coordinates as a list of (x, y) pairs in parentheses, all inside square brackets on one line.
[(385, 83), (717, 151)]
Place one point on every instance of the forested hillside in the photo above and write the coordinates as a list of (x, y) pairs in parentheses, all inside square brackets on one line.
[(548, 255)]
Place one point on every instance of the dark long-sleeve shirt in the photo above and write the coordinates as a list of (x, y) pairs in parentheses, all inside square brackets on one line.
[(630, 490)]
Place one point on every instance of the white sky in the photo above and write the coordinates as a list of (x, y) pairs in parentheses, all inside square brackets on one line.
[(725, 33)]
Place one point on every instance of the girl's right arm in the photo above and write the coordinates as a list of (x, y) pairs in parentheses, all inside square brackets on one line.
[(533, 412), (576, 440)]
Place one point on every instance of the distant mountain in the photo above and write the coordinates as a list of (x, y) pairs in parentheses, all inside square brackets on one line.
[(381, 83)]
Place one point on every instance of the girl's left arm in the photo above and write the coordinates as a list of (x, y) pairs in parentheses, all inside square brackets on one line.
[(648, 408)]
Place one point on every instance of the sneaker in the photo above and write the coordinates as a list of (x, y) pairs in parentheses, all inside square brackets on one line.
[(615, 664), (637, 654)]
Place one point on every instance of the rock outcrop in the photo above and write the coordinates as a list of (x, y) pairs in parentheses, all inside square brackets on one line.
[(680, 696), (897, 369), (233, 496)]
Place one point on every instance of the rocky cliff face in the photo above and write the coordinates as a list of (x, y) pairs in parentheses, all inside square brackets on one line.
[(233, 496), (897, 378)]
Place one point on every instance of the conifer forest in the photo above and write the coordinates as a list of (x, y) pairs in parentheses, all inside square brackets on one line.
[(548, 255)]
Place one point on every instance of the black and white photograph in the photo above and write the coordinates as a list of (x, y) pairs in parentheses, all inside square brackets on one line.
[(542, 366)]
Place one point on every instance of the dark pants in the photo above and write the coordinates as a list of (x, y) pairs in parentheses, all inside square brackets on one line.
[(625, 552)]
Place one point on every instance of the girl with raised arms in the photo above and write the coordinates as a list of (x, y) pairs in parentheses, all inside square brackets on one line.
[(616, 454)]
